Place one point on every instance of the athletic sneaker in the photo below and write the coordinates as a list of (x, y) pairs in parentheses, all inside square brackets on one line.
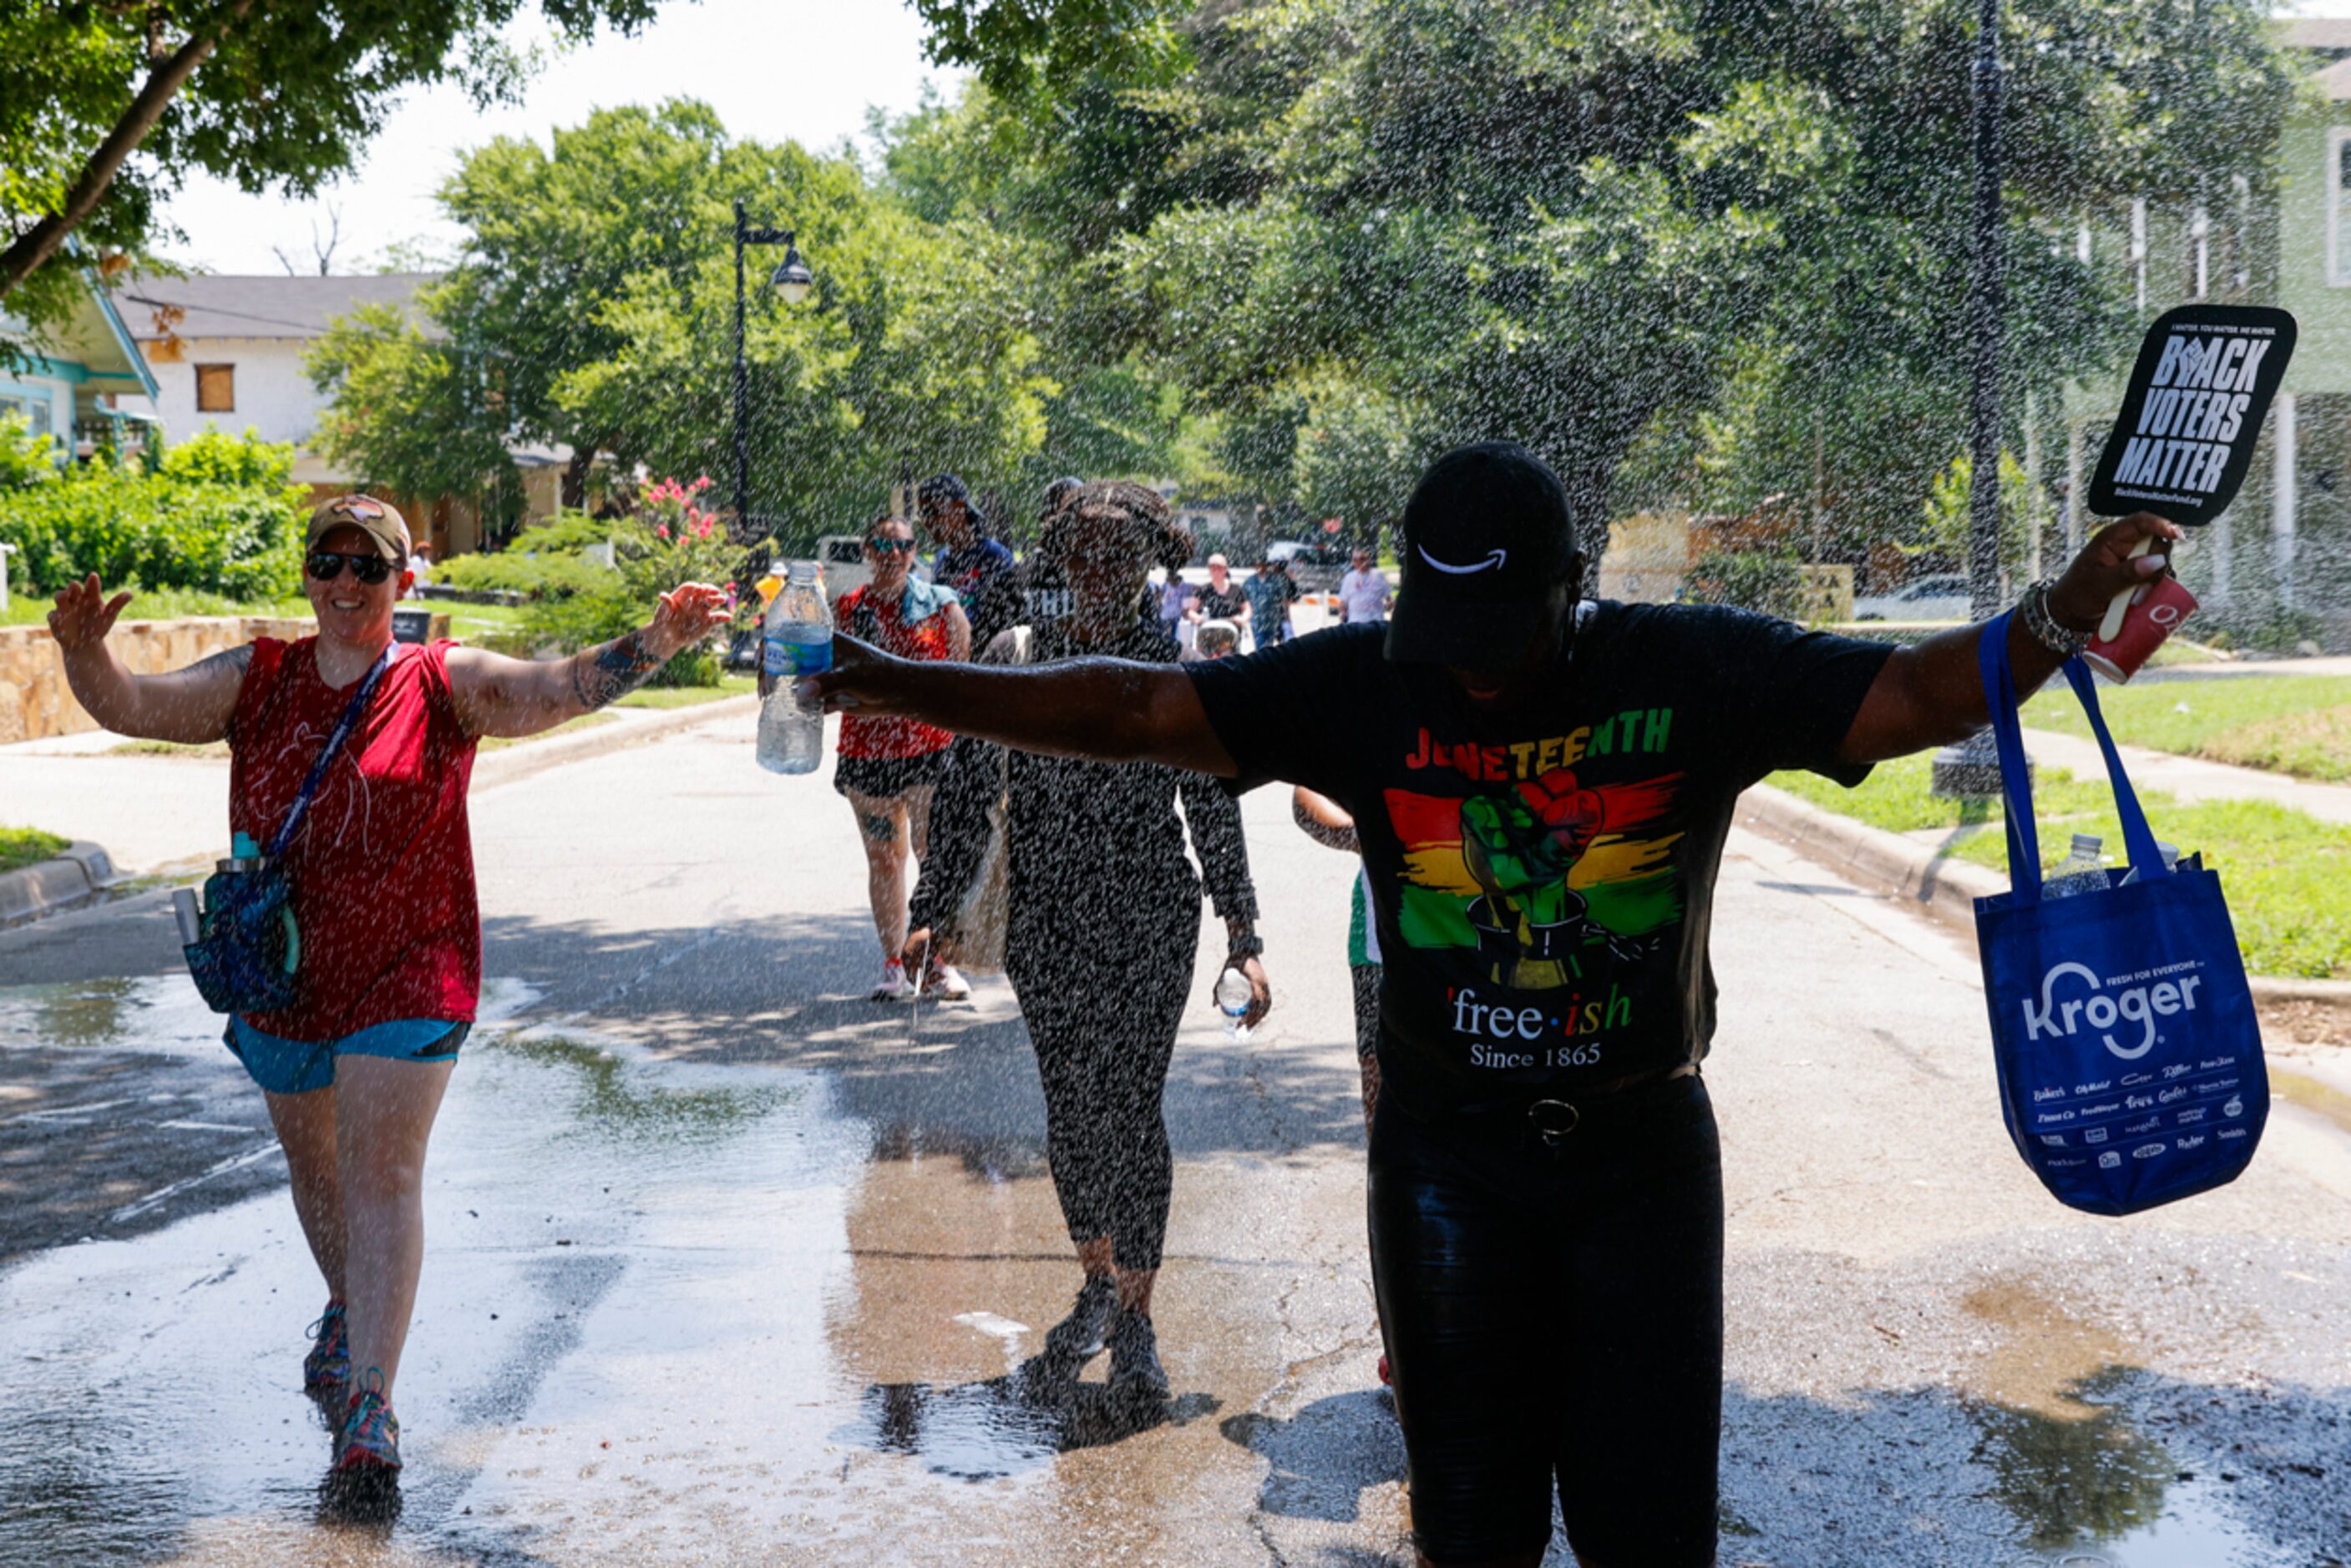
[(370, 1439), (329, 1365), (1134, 1368), (894, 986), (1078, 1337), (945, 982)]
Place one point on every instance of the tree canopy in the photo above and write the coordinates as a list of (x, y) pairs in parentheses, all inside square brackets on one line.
[(1728, 239), (106, 107), (594, 306)]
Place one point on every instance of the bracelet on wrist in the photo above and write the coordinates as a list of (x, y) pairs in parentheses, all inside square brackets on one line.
[(1248, 947), (2044, 626)]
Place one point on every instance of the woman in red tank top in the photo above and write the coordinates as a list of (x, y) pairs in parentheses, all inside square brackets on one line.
[(888, 766), (355, 1068)]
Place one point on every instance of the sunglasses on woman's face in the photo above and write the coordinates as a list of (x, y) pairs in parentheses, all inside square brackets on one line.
[(326, 566), (891, 547)]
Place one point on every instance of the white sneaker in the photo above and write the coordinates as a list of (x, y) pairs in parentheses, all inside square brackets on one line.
[(894, 986), (945, 982)]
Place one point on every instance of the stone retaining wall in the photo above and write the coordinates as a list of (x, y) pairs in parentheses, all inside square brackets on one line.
[(34, 702)]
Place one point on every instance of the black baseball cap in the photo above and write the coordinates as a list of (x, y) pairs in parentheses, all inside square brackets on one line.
[(1488, 533), (941, 490)]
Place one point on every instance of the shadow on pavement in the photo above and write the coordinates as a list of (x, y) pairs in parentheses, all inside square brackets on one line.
[(1005, 1426)]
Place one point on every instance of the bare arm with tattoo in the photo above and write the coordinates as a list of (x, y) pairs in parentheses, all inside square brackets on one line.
[(500, 696), (191, 706)]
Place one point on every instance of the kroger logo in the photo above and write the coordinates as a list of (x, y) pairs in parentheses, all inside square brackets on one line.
[(2103, 1010)]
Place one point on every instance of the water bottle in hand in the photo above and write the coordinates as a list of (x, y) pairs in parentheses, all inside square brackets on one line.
[(2080, 872), (1234, 996), (797, 643)]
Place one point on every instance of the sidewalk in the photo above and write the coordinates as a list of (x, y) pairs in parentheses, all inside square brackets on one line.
[(2191, 779), (160, 814)]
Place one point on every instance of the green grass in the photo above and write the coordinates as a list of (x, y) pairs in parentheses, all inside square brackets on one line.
[(152, 604), (2288, 875), (2297, 724), (689, 696), (21, 846)]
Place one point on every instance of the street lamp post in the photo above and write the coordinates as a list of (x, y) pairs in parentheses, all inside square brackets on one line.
[(792, 280), (1971, 771)]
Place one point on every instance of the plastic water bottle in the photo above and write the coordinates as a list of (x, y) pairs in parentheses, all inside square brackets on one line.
[(1234, 995), (797, 643), (2082, 870)]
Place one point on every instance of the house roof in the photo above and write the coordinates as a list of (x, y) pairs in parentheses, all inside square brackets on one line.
[(2335, 82), (217, 305), (2319, 33), (92, 340)]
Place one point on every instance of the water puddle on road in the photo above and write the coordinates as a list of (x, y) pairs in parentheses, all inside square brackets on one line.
[(2090, 1488)]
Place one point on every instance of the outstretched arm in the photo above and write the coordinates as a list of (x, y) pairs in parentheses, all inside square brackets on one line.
[(191, 706), (1324, 820), (1108, 709), (500, 696), (1932, 694)]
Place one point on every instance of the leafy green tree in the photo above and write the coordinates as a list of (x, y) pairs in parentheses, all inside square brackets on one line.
[(594, 306), (266, 94), (1587, 226)]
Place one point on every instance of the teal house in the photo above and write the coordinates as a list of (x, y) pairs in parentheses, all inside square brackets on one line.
[(63, 382)]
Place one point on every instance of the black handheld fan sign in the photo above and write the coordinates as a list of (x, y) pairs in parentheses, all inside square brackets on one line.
[(2193, 410)]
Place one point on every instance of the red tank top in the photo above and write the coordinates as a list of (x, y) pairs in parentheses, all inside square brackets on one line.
[(891, 737), (382, 864)]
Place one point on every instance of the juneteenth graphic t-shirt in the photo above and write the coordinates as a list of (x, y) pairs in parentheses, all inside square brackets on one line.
[(1542, 881)]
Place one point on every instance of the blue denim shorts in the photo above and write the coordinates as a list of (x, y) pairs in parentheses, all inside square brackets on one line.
[(297, 1067)]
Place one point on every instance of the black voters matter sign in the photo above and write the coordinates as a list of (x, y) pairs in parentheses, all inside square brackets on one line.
[(2194, 408)]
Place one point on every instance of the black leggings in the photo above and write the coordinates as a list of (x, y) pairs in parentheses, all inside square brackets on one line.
[(1104, 1033), (1556, 1318)]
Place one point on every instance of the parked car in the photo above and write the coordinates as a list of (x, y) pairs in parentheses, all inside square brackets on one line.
[(1940, 596), (1316, 568)]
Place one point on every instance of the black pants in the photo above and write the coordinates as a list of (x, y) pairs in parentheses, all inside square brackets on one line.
[(1555, 1317), (1103, 1009)]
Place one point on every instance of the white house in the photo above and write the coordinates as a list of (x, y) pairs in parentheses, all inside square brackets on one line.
[(66, 384), (226, 351)]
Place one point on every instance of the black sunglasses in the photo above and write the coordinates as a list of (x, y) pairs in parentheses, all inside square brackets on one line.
[(887, 546), (326, 566)]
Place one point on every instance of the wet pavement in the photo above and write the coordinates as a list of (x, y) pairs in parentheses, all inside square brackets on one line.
[(727, 1266)]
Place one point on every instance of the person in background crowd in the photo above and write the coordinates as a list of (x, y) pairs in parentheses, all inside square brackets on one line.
[(1270, 593), (889, 767), (1220, 599), (1541, 786), (1364, 593), (979, 569), (1174, 595), (382, 869), (420, 572)]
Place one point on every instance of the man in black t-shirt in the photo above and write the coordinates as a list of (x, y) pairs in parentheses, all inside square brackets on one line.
[(1541, 787)]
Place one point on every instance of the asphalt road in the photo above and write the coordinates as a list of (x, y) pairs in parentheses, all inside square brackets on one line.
[(727, 1265)]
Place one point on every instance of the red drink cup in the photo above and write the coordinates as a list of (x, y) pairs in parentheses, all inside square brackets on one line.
[(2156, 611)]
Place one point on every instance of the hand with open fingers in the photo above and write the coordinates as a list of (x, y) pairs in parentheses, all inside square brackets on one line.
[(690, 612), (2108, 566), (84, 614), (860, 678)]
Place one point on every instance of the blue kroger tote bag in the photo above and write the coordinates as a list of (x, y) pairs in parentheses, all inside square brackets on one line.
[(2129, 1055)]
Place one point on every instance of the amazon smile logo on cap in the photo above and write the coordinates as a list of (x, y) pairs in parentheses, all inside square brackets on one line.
[(1492, 562)]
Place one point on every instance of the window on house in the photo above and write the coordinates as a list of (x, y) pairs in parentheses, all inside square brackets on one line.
[(216, 389)]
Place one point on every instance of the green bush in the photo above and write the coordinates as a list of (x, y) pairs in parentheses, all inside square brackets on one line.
[(26, 460), (531, 574), (216, 514)]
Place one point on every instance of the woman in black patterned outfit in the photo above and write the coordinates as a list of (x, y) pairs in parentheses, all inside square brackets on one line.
[(1103, 929)]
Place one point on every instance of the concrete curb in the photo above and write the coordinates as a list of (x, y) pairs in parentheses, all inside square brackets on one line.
[(509, 763), (84, 870), (1943, 888)]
